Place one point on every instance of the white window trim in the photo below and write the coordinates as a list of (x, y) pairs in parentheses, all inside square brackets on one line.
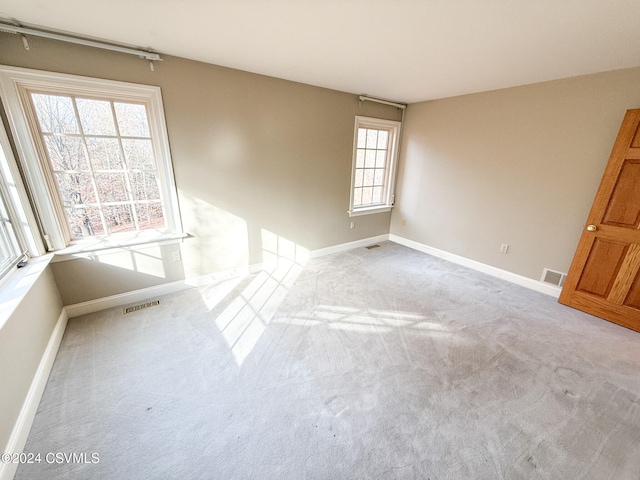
[(15, 84), (394, 128), (24, 222)]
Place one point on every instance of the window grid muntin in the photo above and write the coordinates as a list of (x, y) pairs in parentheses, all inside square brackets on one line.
[(9, 245), (375, 166), (100, 204), (15, 86), (388, 151), (12, 239)]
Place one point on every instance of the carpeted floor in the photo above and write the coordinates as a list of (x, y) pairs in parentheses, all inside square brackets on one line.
[(383, 363)]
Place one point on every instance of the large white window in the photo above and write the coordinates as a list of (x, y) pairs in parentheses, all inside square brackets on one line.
[(375, 149), (96, 156)]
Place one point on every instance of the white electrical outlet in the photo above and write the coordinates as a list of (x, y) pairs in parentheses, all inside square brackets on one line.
[(176, 256), (353, 225), (504, 248)]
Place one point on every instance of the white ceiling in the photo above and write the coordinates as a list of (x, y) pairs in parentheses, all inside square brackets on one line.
[(404, 50)]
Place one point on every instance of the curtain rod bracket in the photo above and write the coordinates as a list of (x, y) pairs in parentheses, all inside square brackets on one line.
[(37, 32), (366, 98)]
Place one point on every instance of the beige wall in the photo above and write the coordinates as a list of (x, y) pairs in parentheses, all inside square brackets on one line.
[(255, 154), (23, 340), (250, 154), (110, 273), (518, 166)]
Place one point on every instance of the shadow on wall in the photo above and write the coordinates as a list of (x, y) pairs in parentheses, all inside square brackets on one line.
[(217, 249), (218, 246), (88, 277)]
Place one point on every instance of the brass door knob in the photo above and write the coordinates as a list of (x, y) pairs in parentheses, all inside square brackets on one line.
[(591, 228)]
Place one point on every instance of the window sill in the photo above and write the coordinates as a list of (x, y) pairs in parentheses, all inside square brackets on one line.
[(15, 286), (370, 210), (112, 245)]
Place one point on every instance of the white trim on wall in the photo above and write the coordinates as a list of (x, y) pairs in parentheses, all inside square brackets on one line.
[(21, 428), (172, 287), (120, 299), (343, 247), (526, 282), (134, 296)]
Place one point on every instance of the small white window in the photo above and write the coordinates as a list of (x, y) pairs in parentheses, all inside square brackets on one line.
[(15, 235), (10, 250), (95, 154), (375, 149)]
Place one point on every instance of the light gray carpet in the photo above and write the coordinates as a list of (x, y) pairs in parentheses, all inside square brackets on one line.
[(384, 363)]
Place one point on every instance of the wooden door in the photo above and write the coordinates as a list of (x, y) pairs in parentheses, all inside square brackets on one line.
[(604, 278)]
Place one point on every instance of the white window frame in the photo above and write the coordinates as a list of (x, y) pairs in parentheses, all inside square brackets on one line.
[(393, 143), (17, 226), (15, 87)]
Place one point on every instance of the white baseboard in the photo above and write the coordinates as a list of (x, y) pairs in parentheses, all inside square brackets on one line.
[(172, 287), (21, 429), (527, 282), (343, 247), (134, 296), (103, 303)]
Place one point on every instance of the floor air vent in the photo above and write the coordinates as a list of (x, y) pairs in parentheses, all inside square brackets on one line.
[(141, 306), (372, 246), (553, 277)]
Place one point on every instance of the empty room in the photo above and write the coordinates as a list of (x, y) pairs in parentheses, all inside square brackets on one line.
[(319, 239)]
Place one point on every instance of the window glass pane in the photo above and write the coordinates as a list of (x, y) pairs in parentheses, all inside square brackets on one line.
[(144, 186), (150, 215), (366, 195), (119, 218), (4, 215), (372, 138), (376, 140), (55, 113), (112, 187), (5, 254), (358, 178), (96, 117), (66, 153), (9, 247), (84, 222), (104, 153), (368, 177), (75, 188), (383, 137), (11, 212), (139, 154), (357, 196), (370, 159), (378, 177), (91, 144), (377, 195), (132, 120)]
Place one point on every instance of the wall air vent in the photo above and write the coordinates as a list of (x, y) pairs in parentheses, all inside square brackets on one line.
[(553, 277), (141, 306)]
